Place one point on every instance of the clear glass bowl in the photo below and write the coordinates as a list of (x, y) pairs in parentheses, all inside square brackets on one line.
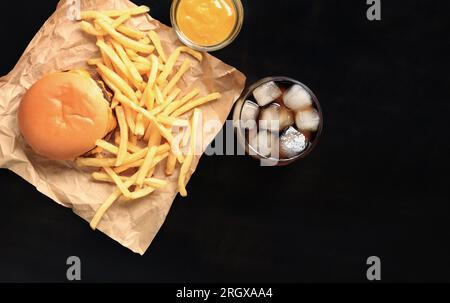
[(240, 131), (209, 48)]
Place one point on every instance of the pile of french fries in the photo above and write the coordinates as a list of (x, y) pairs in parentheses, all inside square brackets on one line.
[(148, 105)]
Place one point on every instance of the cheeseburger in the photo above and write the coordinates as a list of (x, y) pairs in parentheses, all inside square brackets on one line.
[(63, 115)]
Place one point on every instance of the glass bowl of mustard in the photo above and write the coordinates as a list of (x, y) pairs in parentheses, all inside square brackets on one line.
[(207, 25)]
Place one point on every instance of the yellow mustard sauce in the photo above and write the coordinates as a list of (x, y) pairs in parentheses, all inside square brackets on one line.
[(206, 22)]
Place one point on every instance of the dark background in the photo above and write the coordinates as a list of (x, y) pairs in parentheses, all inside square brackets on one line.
[(376, 185)]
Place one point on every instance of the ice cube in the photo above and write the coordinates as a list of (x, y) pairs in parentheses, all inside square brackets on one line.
[(276, 118), (266, 144), (287, 117), (292, 143), (297, 98), (307, 120), (267, 93), (270, 118), (249, 115)]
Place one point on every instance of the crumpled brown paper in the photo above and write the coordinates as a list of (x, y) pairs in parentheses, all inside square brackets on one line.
[(61, 45)]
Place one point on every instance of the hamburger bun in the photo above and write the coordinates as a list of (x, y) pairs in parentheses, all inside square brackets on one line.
[(63, 115)]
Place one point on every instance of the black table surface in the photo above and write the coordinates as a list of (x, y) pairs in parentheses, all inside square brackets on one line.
[(376, 185)]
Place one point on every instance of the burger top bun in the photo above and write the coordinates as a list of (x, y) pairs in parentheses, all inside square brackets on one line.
[(63, 115)]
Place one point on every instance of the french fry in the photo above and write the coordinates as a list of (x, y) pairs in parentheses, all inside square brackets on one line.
[(136, 156), (147, 132), (173, 122), (145, 40), (161, 63), (120, 83), (121, 20), (132, 148), (142, 193), (128, 166), (145, 168), (174, 146), (122, 154), (177, 104), (154, 135), (122, 73), (191, 52), (163, 103), (139, 96), (132, 33), (196, 103), (109, 202), (173, 95), (110, 148), (157, 43), (160, 108), (115, 13), (89, 29), (149, 96), (115, 59), (186, 137), (171, 163), (192, 149), (131, 53), (89, 15), (105, 58), (159, 158), (148, 61), (141, 124), (159, 96), (108, 82), (104, 208), (95, 162), (92, 30), (132, 70), (124, 40), (120, 185), (142, 68), (135, 107), (173, 58), (95, 61), (162, 148), (165, 133), (149, 99), (140, 154), (168, 67), (140, 127), (129, 115), (153, 72), (140, 59), (139, 163), (152, 182), (183, 69)]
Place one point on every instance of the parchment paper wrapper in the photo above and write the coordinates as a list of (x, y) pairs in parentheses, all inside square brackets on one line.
[(61, 45)]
